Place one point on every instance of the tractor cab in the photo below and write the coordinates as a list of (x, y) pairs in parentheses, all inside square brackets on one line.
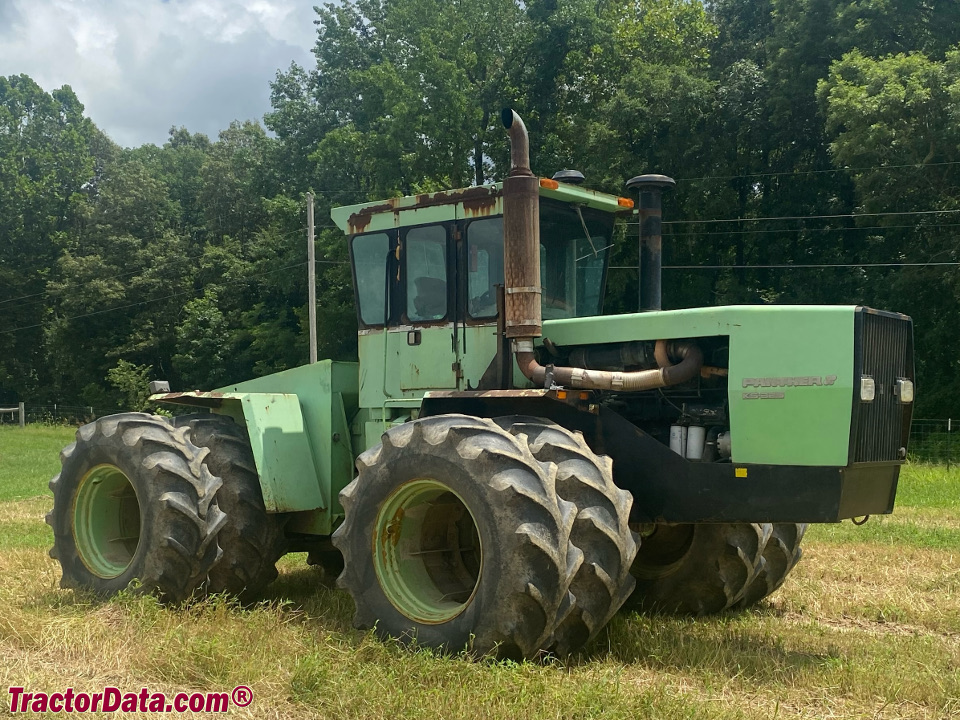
[(427, 269)]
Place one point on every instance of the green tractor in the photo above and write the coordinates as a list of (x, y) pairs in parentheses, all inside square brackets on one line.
[(505, 467)]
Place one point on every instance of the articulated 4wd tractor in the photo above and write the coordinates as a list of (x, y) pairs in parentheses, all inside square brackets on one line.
[(505, 467)]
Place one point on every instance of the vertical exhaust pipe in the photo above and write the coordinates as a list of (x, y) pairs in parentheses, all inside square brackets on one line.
[(521, 235), (651, 189), (521, 269)]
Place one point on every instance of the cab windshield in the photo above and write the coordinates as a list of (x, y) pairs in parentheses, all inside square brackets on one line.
[(574, 243)]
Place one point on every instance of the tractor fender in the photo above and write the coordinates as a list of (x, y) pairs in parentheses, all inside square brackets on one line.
[(280, 441)]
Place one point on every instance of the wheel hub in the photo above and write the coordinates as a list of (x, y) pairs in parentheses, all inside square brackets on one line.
[(662, 551), (106, 521), (427, 551)]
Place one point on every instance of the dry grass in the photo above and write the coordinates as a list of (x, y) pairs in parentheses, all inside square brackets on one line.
[(868, 626)]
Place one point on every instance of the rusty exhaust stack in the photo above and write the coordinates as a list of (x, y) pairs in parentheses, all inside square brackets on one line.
[(521, 269), (521, 234)]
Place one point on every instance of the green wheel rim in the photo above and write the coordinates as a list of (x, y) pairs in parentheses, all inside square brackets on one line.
[(426, 551), (106, 521)]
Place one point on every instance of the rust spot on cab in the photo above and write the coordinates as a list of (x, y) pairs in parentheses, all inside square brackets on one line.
[(481, 204), (359, 221), (477, 202)]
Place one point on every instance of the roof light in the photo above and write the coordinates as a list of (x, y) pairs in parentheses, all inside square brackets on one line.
[(625, 202), (571, 177), (549, 184)]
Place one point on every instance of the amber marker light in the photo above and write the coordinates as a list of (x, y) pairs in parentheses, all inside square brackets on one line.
[(625, 202), (549, 184)]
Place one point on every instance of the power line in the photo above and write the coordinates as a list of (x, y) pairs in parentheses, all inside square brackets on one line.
[(48, 292), (127, 274), (780, 231), (41, 301), (818, 172), (810, 217), (796, 266)]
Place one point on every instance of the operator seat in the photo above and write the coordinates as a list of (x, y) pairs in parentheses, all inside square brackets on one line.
[(430, 302)]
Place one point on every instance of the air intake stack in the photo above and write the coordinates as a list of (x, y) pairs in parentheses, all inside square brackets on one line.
[(651, 189)]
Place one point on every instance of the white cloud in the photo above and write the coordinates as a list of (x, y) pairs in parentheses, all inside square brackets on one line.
[(142, 66)]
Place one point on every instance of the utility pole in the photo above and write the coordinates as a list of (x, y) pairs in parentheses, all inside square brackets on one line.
[(311, 280)]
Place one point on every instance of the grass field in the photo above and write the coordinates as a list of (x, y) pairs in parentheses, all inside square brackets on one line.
[(867, 626)]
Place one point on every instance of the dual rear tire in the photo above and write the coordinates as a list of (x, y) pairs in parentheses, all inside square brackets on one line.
[(135, 501), (509, 537), (174, 506), (703, 569), (505, 538)]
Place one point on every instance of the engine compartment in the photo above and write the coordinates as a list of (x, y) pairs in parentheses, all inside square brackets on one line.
[(692, 418)]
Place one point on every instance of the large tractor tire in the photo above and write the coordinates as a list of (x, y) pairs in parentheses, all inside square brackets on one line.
[(134, 500), (252, 540), (781, 553), (454, 538), (697, 569), (601, 531)]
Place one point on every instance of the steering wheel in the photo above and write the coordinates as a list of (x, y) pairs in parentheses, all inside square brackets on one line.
[(483, 305)]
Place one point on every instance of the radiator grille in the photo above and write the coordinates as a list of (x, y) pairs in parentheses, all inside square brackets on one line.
[(884, 345)]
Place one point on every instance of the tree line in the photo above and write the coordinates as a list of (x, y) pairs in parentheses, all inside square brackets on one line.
[(816, 144)]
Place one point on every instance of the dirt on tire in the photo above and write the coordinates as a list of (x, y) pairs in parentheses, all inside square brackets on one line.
[(780, 554), (252, 540), (601, 531), (521, 592), (697, 569), (175, 546)]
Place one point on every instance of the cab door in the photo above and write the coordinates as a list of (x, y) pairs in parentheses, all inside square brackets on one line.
[(421, 349)]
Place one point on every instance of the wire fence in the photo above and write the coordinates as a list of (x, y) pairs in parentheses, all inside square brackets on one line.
[(935, 441), (49, 414)]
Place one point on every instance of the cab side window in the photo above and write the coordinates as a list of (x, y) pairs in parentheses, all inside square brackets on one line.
[(484, 266), (426, 253), (370, 264)]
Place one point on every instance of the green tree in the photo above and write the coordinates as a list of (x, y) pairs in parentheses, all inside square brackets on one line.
[(46, 171), (895, 122), (132, 383), (404, 95)]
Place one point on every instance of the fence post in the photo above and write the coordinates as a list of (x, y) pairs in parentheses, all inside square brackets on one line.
[(949, 441), (23, 414)]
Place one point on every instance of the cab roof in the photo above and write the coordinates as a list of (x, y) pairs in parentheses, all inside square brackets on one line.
[(467, 203)]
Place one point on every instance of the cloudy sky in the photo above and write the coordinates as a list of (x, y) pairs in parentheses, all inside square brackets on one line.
[(142, 66)]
